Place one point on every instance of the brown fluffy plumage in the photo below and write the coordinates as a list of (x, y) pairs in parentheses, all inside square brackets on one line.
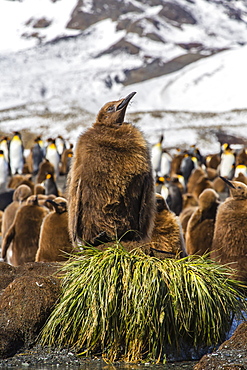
[(21, 193), (230, 234), (17, 180), (54, 235), (189, 205), (202, 183), (193, 179), (24, 234), (219, 185), (110, 184), (44, 168), (167, 239), (213, 161), (66, 158), (200, 228)]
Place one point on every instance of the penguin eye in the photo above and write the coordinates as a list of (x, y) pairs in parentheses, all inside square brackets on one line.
[(111, 108)]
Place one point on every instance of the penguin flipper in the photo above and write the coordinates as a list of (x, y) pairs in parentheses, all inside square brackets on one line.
[(7, 240)]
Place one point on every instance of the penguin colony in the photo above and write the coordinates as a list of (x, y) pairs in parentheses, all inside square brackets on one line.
[(116, 186)]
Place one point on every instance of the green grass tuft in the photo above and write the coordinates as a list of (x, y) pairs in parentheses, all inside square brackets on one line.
[(130, 306)]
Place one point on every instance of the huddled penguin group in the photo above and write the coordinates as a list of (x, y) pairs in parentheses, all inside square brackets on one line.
[(118, 187)]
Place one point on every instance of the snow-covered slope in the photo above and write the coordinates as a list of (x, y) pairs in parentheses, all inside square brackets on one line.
[(53, 77)]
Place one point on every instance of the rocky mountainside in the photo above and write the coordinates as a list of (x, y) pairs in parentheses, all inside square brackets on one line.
[(60, 60), (149, 29), (153, 21)]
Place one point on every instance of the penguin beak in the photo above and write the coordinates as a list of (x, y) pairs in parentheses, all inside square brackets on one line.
[(125, 101), (228, 182)]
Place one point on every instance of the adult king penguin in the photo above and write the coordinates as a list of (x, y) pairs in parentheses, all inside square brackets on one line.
[(110, 185), (16, 157)]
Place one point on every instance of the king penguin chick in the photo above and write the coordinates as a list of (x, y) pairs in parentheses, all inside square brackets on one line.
[(44, 168), (54, 235), (110, 184), (200, 228), (66, 160), (167, 239), (20, 195), (189, 206), (230, 233), (16, 157), (24, 233)]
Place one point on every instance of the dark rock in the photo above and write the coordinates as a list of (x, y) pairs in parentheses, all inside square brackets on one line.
[(154, 36), (27, 295), (8, 273), (100, 10), (238, 340), (231, 355), (176, 13), (42, 23), (121, 46), (157, 68), (25, 305)]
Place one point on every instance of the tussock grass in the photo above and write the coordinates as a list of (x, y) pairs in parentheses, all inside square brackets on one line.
[(130, 306)]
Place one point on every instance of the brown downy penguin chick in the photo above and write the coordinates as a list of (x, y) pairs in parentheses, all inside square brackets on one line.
[(44, 168), (21, 193), (176, 163), (25, 179), (42, 198), (39, 189), (20, 196), (200, 228), (211, 173), (212, 160), (24, 233), (241, 178), (241, 157), (110, 184), (230, 233), (1, 221), (219, 185), (54, 241), (194, 177), (202, 183), (66, 159), (189, 205), (167, 239)]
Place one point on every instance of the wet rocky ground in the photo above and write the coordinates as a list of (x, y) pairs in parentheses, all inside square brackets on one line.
[(44, 358)]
